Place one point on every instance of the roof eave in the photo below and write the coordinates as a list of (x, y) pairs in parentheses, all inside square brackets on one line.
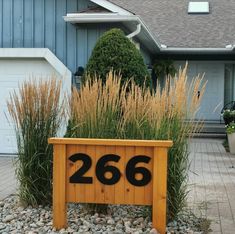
[(181, 50)]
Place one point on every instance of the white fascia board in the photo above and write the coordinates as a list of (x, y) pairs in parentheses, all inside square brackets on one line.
[(38, 53), (178, 50), (90, 14), (111, 7), (108, 18), (98, 18), (149, 33)]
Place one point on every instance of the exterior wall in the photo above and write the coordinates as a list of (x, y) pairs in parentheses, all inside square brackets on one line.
[(213, 100), (40, 24)]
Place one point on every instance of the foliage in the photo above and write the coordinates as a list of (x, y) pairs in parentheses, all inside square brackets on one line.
[(228, 116), (230, 128), (163, 68), (36, 112), (109, 111), (114, 51)]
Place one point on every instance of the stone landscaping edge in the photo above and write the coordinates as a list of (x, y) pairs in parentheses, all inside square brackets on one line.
[(16, 219)]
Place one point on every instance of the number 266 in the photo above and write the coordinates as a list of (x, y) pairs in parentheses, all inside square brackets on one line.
[(101, 168)]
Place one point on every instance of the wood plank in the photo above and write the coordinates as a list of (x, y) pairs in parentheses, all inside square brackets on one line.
[(99, 188), (71, 169), (75, 192), (120, 186), (139, 197), (109, 190), (159, 189), (90, 188), (129, 188), (59, 184), (80, 188), (108, 142), (148, 190)]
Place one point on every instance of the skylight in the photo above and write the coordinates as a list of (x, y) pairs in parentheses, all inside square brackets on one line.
[(198, 7)]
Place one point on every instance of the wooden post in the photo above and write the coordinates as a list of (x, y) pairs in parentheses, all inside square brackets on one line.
[(59, 183), (159, 189)]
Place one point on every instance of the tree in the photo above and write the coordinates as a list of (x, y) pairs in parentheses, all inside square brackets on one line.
[(114, 51)]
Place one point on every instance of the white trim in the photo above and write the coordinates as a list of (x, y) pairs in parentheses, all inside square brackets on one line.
[(149, 33), (112, 7), (198, 50), (98, 18), (42, 53), (113, 17), (103, 17)]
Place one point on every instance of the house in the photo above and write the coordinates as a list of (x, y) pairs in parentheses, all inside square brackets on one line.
[(41, 37)]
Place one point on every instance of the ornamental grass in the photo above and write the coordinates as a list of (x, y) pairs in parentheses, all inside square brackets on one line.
[(127, 111), (36, 110)]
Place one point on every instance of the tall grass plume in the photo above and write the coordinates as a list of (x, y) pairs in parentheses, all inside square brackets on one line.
[(112, 110), (36, 110)]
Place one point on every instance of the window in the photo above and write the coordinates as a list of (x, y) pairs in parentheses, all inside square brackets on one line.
[(198, 7)]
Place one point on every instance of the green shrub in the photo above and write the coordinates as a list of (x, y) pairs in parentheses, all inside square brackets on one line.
[(37, 112), (163, 68), (228, 116), (114, 51), (109, 111)]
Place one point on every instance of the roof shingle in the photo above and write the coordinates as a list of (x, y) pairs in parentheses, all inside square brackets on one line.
[(170, 23)]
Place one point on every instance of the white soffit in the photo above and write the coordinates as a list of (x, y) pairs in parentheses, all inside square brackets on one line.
[(198, 8)]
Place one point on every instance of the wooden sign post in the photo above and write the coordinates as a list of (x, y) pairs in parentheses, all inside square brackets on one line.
[(103, 171)]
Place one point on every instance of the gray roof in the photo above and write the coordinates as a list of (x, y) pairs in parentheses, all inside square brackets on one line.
[(170, 23)]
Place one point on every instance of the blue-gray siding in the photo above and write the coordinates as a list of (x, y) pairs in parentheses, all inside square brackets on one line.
[(40, 24)]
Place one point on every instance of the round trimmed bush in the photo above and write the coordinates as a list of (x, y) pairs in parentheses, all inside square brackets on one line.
[(114, 51)]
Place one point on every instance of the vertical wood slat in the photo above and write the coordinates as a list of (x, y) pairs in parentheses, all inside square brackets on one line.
[(129, 189), (71, 169), (80, 194), (59, 187), (100, 196), (159, 189), (109, 190), (120, 186), (139, 191), (89, 188), (149, 189)]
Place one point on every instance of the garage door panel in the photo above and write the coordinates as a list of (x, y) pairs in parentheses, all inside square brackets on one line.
[(6, 121), (12, 74), (8, 141)]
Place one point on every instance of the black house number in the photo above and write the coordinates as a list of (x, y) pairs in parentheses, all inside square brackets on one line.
[(102, 167)]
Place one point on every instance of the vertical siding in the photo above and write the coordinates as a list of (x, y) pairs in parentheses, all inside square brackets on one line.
[(71, 38), (1, 23), (28, 23), (40, 24), (7, 23), (38, 19)]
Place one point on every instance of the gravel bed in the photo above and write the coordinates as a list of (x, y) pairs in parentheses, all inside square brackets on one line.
[(16, 219)]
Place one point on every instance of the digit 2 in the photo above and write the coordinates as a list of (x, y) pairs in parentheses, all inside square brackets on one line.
[(78, 177)]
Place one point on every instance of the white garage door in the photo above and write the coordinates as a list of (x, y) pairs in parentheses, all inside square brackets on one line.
[(12, 73)]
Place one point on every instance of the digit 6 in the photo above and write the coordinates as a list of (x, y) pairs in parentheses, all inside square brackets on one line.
[(101, 169), (132, 170)]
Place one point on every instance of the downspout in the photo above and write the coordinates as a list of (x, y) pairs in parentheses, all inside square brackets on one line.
[(136, 32)]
